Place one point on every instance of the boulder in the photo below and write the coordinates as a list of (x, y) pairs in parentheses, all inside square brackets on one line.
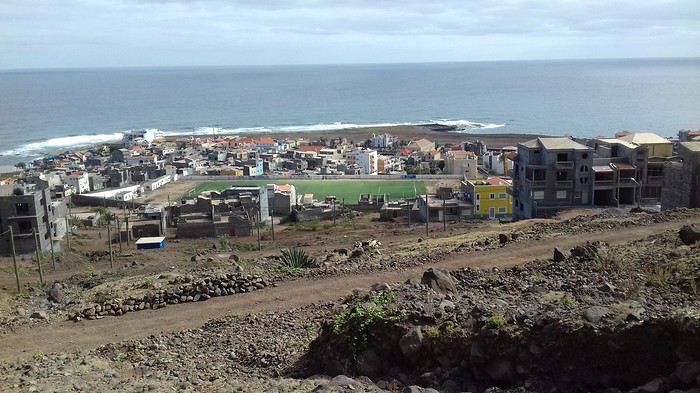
[(56, 293), (687, 372), (595, 313), (438, 280), (559, 255), (689, 234), (654, 386), (411, 342), (502, 238), (500, 370), (40, 315)]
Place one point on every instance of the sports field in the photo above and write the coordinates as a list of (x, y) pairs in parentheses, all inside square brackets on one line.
[(348, 189)]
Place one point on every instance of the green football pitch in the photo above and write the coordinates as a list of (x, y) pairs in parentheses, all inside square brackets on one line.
[(350, 190)]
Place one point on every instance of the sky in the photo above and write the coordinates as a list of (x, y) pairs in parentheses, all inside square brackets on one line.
[(128, 33)]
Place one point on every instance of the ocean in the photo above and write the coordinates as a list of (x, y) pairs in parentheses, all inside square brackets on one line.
[(45, 111)]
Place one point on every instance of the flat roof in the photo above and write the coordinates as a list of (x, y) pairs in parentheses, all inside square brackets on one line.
[(148, 240), (561, 143), (601, 168), (692, 146), (642, 138)]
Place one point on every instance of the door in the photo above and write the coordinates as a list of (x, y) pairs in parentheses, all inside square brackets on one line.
[(492, 212)]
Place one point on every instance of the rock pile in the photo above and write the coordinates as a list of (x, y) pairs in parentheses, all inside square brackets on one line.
[(597, 317), (189, 291)]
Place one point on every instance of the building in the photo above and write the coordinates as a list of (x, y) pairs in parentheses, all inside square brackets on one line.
[(551, 174), (140, 137), (365, 159), (653, 153), (283, 198), (497, 162), (682, 178), (437, 208), (79, 181), (489, 197), (421, 146), (460, 162), (27, 210), (383, 142)]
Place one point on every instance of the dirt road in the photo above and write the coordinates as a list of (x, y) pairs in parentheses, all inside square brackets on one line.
[(71, 336)]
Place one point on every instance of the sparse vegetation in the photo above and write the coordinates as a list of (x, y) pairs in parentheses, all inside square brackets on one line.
[(295, 259), (224, 243), (495, 321), (244, 247), (354, 325)]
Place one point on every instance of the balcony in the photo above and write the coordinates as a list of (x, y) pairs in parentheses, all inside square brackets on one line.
[(564, 165), (604, 183), (564, 183), (536, 183), (655, 180)]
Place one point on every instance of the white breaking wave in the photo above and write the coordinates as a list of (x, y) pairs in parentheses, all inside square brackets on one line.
[(466, 124), (64, 142), (54, 144)]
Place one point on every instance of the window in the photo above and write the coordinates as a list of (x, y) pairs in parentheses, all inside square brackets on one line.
[(478, 208), (502, 196), (22, 209), (492, 196), (502, 209), (538, 195), (24, 226), (561, 194), (478, 197), (562, 157)]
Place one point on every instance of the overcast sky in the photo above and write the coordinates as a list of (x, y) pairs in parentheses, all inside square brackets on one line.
[(113, 33)]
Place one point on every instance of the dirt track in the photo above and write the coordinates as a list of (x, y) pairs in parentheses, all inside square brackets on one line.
[(71, 336)]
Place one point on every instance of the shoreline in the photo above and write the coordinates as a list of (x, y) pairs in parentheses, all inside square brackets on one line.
[(435, 132)]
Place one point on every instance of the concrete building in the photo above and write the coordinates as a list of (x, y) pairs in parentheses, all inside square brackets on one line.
[(551, 174), (653, 153), (496, 162), (460, 162), (25, 210), (437, 207), (283, 198), (682, 178)]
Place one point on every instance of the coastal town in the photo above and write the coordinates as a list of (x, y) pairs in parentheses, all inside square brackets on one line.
[(123, 263), (535, 178)]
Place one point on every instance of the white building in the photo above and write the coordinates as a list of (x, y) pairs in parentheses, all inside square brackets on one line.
[(384, 141), (365, 159), (460, 162), (140, 137), (495, 162), (79, 181), (157, 183)]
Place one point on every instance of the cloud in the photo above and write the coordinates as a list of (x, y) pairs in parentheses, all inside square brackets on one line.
[(45, 33)]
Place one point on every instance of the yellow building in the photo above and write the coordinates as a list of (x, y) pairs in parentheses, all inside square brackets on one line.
[(489, 197)]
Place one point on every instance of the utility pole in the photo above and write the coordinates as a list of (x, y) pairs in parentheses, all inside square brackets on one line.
[(259, 222), (14, 258), (408, 208), (109, 242), (427, 214), (444, 216), (53, 255), (272, 222), (333, 212), (38, 257), (128, 231), (119, 232), (69, 226)]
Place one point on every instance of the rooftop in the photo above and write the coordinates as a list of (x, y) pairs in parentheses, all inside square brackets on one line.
[(645, 138), (692, 146), (561, 144)]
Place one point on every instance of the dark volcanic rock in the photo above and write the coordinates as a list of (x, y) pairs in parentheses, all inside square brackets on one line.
[(438, 280)]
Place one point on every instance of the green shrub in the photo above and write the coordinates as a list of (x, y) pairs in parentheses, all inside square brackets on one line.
[(354, 325), (568, 301), (495, 321), (295, 259), (246, 247), (224, 243)]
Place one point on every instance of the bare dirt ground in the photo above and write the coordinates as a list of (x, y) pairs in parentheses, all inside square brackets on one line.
[(71, 336)]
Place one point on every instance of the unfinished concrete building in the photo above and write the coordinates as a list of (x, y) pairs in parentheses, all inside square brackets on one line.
[(551, 174), (26, 210), (682, 178)]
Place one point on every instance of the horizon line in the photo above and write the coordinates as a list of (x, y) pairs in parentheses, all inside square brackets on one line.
[(135, 67)]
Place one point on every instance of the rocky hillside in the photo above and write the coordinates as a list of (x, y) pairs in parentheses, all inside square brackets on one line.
[(593, 318)]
